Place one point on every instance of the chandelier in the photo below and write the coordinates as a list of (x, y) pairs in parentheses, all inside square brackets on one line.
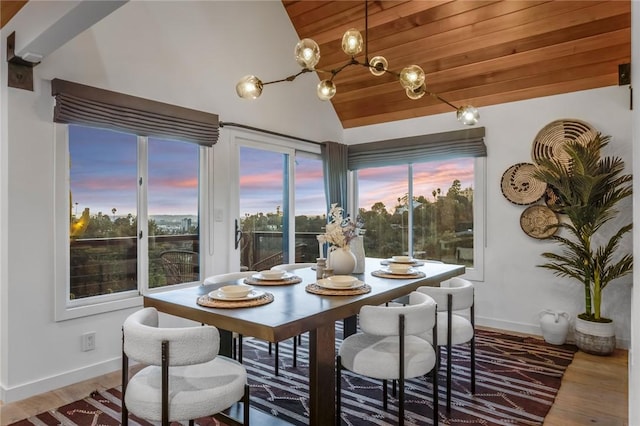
[(307, 54)]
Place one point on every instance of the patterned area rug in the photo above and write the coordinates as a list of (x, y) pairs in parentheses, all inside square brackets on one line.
[(517, 379)]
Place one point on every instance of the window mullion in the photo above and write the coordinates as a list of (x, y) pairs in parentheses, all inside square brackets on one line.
[(142, 214), (410, 211)]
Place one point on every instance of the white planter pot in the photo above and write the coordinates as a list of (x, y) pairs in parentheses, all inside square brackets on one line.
[(555, 326), (597, 338)]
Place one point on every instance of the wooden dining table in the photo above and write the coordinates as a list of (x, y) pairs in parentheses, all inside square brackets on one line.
[(294, 311)]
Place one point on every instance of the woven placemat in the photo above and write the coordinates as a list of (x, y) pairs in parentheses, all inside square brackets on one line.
[(383, 274), (215, 303), (550, 141), (316, 289), (255, 281), (520, 186), (414, 263), (539, 221)]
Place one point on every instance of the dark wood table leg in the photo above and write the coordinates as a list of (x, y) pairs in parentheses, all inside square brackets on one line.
[(322, 375), (349, 326), (226, 343)]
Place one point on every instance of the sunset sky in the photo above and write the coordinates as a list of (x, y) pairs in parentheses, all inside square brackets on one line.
[(103, 177)]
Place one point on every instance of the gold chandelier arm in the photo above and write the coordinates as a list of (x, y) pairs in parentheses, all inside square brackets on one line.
[(289, 78)]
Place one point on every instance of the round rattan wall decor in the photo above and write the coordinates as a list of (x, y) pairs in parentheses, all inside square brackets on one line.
[(520, 186), (539, 221), (549, 142)]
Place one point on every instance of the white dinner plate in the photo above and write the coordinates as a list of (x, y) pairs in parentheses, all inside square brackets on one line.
[(284, 276), (410, 271), (324, 283), (253, 294)]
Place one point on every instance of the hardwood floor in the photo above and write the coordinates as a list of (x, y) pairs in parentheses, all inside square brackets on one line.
[(594, 391)]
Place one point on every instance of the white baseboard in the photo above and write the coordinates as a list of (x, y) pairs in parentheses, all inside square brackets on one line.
[(27, 390)]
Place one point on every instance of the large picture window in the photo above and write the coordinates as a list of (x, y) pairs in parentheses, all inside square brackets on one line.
[(132, 214), (424, 196)]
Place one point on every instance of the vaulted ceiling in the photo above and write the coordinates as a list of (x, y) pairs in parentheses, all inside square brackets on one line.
[(477, 52), (472, 51)]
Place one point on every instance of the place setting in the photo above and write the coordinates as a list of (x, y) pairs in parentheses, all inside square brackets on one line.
[(398, 271), (338, 285), (235, 296), (405, 260), (272, 277)]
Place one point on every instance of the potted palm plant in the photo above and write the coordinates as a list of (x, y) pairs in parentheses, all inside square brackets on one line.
[(589, 188)]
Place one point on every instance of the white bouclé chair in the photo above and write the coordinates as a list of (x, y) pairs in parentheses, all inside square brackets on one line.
[(455, 299), (185, 378), (390, 334)]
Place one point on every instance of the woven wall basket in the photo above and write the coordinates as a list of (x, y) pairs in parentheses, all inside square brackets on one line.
[(550, 141), (520, 187), (539, 221)]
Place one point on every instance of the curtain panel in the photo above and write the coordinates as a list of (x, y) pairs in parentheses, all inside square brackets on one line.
[(417, 149), (334, 162), (90, 106)]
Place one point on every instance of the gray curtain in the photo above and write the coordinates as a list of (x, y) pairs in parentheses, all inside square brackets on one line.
[(334, 162)]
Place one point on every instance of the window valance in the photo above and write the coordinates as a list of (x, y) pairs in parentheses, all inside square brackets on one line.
[(415, 149), (90, 106)]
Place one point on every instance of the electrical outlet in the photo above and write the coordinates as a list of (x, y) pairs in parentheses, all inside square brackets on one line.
[(88, 341)]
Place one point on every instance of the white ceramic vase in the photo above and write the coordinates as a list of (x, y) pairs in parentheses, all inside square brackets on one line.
[(357, 248), (555, 326), (342, 260)]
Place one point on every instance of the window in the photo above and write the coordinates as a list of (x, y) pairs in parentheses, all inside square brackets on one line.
[(281, 202), (130, 202), (423, 196), (430, 210)]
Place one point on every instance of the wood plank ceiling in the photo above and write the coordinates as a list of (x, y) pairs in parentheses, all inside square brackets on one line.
[(477, 52)]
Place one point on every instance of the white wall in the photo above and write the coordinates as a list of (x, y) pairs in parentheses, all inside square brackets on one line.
[(514, 290), (185, 53), (634, 352), (191, 54)]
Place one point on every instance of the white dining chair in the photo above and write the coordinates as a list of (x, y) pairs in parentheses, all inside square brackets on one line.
[(389, 348), (225, 278), (184, 379), (297, 340), (455, 298)]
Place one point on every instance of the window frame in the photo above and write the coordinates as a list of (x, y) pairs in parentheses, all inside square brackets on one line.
[(475, 273), (272, 143), (65, 308)]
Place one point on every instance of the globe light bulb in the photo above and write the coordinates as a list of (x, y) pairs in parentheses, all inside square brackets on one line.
[(326, 90), (307, 53), (411, 77), (416, 93), (378, 65), (468, 115), (352, 42), (249, 87)]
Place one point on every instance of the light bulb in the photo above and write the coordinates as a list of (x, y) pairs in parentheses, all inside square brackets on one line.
[(468, 115), (378, 65), (249, 87), (352, 42), (326, 90), (416, 93), (307, 53), (411, 77)]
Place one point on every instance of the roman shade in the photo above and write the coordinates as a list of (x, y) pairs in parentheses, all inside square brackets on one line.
[(417, 149), (90, 106)]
